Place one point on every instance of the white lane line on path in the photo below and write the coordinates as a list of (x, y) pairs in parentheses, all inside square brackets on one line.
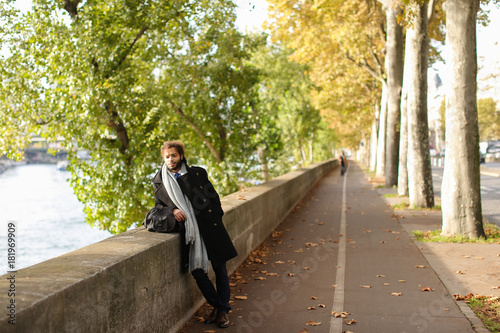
[(338, 298)]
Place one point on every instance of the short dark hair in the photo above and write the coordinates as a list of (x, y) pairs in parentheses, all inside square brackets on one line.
[(173, 144)]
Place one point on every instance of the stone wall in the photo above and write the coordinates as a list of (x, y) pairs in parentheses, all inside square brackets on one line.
[(132, 282)]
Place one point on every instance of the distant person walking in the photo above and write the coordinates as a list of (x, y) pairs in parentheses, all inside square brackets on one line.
[(196, 204), (343, 163)]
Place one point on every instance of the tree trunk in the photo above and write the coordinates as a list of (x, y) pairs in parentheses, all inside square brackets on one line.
[(373, 141), (420, 187), (311, 149), (264, 168), (461, 193), (394, 70), (381, 132), (403, 146), (302, 152)]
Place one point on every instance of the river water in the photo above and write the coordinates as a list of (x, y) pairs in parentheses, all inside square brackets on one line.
[(49, 219)]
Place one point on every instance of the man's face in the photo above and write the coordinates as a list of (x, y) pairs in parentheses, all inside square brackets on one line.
[(173, 159)]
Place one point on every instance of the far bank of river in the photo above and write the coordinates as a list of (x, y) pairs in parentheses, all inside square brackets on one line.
[(49, 219)]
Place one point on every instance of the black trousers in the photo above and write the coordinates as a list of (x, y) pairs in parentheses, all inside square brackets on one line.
[(219, 298)]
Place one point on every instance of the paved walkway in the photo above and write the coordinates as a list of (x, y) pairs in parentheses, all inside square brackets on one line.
[(343, 261)]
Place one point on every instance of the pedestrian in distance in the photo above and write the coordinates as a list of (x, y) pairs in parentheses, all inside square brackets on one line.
[(343, 163), (188, 192)]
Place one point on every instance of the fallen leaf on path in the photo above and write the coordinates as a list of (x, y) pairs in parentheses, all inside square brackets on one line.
[(465, 256), (342, 314), (313, 323), (349, 321), (322, 305), (335, 285), (445, 309), (260, 278), (279, 262), (382, 242), (241, 298), (291, 274), (401, 281), (311, 308), (459, 297), (386, 284), (299, 250), (396, 294), (419, 266), (381, 276), (314, 297), (388, 230), (495, 287), (459, 272), (304, 331), (209, 331), (425, 288), (365, 286), (479, 258)]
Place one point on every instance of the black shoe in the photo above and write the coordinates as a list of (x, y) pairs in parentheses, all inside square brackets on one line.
[(223, 320), (212, 318)]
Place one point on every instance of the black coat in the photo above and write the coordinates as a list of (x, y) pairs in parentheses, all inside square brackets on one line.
[(207, 208)]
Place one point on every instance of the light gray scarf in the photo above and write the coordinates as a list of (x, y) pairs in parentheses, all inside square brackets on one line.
[(198, 257)]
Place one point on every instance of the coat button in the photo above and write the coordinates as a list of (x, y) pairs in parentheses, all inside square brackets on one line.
[(204, 200), (209, 210), (201, 187), (215, 224)]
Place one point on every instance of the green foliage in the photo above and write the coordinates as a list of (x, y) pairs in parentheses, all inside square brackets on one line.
[(110, 78), (118, 78), (288, 124), (489, 119)]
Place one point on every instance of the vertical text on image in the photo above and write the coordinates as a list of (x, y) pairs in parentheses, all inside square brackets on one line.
[(11, 263)]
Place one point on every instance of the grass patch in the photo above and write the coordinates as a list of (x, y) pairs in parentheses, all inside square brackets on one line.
[(391, 195), (406, 206), (487, 309), (492, 236)]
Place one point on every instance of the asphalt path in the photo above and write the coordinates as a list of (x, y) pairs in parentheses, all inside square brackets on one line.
[(490, 191), (340, 261)]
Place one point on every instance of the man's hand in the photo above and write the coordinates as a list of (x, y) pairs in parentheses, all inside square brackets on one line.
[(179, 215)]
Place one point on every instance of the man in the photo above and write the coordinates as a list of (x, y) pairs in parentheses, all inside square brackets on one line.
[(195, 203), (343, 163)]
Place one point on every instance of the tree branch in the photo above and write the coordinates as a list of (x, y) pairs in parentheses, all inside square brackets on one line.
[(71, 8), (430, 10), (366, 67), (179, 111), (129, 49), (116, 123)]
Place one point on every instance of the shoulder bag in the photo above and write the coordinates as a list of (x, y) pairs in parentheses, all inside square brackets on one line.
[(161, 219)]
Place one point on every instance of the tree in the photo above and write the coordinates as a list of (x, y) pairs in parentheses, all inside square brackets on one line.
[(416, 61), (117, 78), (337, 39), (394, 70), (461, 193)]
